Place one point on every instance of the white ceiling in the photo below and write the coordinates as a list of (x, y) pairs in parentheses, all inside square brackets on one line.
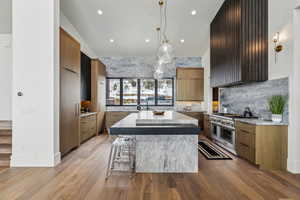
[(5, 16), (130, 22)]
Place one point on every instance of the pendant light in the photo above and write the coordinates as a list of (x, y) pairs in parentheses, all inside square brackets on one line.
[(165, 52)]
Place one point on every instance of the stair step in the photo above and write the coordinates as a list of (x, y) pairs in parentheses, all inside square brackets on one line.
[(5, 139), (4, 163), (5, 149), (5, 132), (5, 125)]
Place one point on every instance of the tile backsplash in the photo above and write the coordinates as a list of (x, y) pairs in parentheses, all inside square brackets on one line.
[(144, 66), (255, 96)]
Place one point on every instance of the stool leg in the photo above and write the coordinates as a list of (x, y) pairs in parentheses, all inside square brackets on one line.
[(109, 163)]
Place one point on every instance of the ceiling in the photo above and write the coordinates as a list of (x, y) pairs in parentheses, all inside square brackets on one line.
[(5, 16), (130, 22)]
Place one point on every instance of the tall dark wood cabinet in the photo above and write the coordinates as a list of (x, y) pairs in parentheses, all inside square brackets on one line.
[(69, 92), (85, 77), (239, 43)]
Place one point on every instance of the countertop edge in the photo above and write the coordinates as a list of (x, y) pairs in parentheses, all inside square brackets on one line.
[(87, 114), (261, 122)]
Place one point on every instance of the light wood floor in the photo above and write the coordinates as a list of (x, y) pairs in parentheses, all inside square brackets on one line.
[(81, 176)]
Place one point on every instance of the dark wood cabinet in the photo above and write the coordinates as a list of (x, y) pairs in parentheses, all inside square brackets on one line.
[(85, 77), (239, 43)]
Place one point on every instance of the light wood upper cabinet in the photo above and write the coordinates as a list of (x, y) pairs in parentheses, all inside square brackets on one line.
[(189, 73), (70, 52), (190, 84)]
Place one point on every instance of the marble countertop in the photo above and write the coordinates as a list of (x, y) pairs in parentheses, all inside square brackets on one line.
[(169, 117), (172, 124), (260, 122), (87, 114)]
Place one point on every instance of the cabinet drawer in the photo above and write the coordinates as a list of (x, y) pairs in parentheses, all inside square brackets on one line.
[(246, 138), (245, 127), (245, 152)]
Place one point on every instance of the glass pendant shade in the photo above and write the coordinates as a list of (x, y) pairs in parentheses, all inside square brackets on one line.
[(158, 74), (165, 53)]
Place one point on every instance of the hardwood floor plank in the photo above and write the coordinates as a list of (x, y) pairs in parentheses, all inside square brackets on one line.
[(81, 176)]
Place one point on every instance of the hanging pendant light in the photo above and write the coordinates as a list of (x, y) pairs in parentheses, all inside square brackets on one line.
[(158, 74), (165, 51)]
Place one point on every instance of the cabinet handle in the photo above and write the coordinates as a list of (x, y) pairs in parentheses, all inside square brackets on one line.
[(70, 70), (77, 109), (244, 145)]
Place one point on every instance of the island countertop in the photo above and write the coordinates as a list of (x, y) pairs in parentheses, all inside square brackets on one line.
[(145, 123)]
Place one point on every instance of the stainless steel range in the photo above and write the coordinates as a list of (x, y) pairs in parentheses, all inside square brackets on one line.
[(223, 131)]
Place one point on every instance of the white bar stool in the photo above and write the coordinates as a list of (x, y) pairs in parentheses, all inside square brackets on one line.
[(122, 153)]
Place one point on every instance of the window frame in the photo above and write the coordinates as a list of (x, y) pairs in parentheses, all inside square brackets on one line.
[(139, 91)]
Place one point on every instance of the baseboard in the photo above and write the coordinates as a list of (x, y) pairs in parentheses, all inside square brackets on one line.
[(29, 161), (57, 158), (294, 166)]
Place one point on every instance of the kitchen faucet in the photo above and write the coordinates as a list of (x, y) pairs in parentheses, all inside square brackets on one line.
[(247, 112)]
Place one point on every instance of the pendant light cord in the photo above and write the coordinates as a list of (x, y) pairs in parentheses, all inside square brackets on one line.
[(161, 24), (165, 21)]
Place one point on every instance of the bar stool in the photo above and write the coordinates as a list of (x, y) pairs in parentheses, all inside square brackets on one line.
[(122, 153)]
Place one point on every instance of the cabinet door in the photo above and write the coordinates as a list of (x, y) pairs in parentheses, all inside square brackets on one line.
[(190, 90), (69, 52), (189, 73), (69, 110)]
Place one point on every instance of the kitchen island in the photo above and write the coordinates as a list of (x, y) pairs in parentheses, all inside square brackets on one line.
[(164, 144)]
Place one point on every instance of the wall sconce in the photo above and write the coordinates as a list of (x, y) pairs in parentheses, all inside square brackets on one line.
[(278, 47)]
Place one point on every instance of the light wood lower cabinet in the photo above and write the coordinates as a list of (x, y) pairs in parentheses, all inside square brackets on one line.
[(88, 127), (265, 146)]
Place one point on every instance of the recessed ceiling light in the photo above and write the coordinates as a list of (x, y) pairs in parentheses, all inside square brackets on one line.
[(100, 12), (182, 41), (193, 12), (147, 40), (111, 40)]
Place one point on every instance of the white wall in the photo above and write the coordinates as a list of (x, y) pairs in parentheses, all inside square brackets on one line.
[(294, 135), (68, 27), (5, 16), (35, 71), (5, 76), (281, 20)]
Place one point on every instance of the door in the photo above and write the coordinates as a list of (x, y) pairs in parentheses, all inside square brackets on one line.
[(228, 136), (69, 110)]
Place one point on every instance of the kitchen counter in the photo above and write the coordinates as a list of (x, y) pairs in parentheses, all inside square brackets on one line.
[(164, 144), (259, 122), (145, 123), (87, 114)]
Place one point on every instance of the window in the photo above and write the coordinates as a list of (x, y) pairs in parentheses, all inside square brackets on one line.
[(147, 92), (130, 89), (133, 92), (165, 92), (113, 91)]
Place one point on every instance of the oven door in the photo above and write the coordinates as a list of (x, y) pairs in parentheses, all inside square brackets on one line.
[(215, 131), (227, 135)]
